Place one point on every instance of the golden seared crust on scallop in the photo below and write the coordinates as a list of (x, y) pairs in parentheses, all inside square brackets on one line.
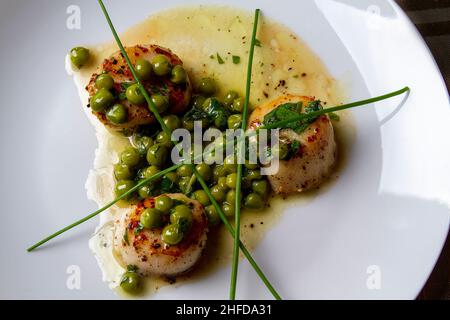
[(146, 250), (116, 66), (314, 160)]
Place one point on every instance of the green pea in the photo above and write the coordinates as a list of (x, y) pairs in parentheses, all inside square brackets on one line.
[(202, 197), (251, 166), (117, 114), (219, 171), (157, 155), (172, 176), (172, 122), (79, 56), (130, 157), (230, 164), (238, 105), (207, 86), (254, 201), (228, 209), (164, 204), (182, 216), (143, 69), (253, 175), (142, 144), (150, 172), (104, 81), (161, 65), (188, 124), (234, 121), (161, 102), (231, 180), (183, 183), (134, 94), (151, 218), (260, 187), (179, 75), (164, 139), (229, 98), (212, 215), (204, 170), (207, 104), (218, 193), (123, 186), (222, 183), (198, 101), (172, 234), (102, 100), (131, 282), (185, 170), (145, 191), (231, 197), (122, 172)]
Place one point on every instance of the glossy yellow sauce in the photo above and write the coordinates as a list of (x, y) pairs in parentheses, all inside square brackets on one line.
[(283, 64)]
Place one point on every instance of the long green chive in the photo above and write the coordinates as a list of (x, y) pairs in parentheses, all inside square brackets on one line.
[(303, 116), (168, 132), (237, 218), (92, 215)]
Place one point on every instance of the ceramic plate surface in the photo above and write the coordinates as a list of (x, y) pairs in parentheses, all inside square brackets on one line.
[(388, 213)]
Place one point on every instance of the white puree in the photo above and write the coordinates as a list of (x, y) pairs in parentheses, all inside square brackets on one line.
[(283, 64)]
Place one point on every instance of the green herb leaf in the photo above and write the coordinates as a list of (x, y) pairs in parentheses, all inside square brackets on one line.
[(195, 114), (283, 112), (168, 186), (334, 117), (236, 59), (295, 147), (219, 59), (290, 110), (132, 268), (257, 43), (139, 228), (217, 114), (125, 237)]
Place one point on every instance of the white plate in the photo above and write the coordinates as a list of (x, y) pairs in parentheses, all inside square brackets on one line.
[(388, 212)]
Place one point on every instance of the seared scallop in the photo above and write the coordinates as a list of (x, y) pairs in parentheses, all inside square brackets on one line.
[(315, 154), (145, 248), (116, 66)]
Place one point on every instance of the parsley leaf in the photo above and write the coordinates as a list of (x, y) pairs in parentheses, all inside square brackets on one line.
[(132, 268), (139, 228), (168, 186), (290, 110), (219, 58), (195, 114), (236, 59), (333, 116)]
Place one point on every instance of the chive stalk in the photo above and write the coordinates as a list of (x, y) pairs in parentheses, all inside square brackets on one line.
[(237, 217)]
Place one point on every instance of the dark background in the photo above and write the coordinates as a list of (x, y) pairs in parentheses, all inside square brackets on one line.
[(432, 19)]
